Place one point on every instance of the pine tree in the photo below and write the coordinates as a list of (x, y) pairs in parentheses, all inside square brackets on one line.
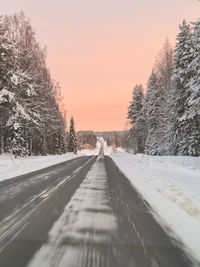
[(137, 133), (72, 140), (157, 101), (135, 106), (153, 117), (180, 79), (192, 114)]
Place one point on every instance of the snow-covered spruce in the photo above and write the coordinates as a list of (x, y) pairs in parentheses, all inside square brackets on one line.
[(72, 140), (182, 74), (136, 137)]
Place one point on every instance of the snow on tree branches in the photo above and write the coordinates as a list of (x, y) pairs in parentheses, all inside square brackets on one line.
[(136, 137), (31, 121), (72, 140), (171, 105)]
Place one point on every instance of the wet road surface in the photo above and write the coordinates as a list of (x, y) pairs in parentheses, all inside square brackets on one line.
[(82, 213)]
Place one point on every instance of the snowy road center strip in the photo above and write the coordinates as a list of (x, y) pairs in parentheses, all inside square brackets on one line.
[(87, 218)]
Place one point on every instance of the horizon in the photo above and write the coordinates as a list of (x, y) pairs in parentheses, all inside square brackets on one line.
[(102, 131)]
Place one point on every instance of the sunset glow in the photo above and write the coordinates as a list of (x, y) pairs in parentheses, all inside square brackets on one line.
[(98, 50)]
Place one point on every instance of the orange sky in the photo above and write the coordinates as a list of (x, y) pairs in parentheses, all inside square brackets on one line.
[(98, 50)]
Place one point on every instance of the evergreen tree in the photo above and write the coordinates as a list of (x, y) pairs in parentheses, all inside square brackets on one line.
[(135, 106), (157, 103), (153, 116), (137, 133), (72, 140), (180, 79), (192, 114)]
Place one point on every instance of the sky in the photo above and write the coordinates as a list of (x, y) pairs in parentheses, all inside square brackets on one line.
[(99, 50)]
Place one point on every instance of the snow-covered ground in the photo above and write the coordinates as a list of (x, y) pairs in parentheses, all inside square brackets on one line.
[(10, 168), (171, 185)]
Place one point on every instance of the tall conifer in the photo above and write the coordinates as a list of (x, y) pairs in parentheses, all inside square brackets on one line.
[(72, 140)]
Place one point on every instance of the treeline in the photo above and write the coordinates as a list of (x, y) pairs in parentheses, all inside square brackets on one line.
[(165, 117), (114, 138), (31, 119), (86, 138)]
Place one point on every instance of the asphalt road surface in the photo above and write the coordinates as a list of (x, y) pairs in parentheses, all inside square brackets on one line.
[(81, 213)]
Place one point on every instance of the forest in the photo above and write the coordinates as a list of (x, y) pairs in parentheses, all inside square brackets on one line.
[(165, 116), (32, 118)]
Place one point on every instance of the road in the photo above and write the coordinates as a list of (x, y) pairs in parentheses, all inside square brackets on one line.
[(81, 213)]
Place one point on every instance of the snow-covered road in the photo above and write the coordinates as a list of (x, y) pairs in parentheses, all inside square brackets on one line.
[(91, 217), (87, 223), (85, 212)]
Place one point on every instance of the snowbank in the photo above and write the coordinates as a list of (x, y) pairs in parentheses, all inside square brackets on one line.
[(171, 185), (11, 168)]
